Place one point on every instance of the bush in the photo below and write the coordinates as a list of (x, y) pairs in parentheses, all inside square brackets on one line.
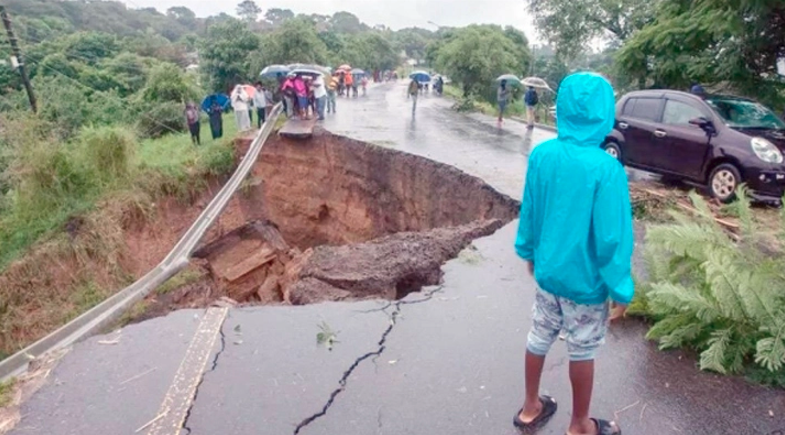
[(718, 294), (160, 119), (108, 152)]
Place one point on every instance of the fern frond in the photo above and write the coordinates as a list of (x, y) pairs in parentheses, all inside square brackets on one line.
[(668, 325), (682, 335), (743, 210), (713, 358), (666, 297), (726, 281), (770, 351), (702, 207)]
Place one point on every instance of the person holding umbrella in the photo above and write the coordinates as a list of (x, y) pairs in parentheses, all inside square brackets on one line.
[(241, 108), (502, 97), (350, 86), (214, 105)]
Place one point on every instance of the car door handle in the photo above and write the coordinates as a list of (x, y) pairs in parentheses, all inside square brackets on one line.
[(623, 125), (660, 133)]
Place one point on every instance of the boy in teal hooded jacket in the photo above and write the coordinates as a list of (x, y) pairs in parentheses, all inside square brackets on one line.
[(576, 233)]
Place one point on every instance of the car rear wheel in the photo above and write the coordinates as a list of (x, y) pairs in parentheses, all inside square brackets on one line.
[(613, 150), (723, 181)]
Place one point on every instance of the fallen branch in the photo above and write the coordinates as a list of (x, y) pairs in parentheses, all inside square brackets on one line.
[(732, 227)]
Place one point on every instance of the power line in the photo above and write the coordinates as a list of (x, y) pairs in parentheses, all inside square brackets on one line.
[(96, 90)]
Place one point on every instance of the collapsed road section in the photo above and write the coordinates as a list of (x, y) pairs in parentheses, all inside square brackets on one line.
[(331, 218)]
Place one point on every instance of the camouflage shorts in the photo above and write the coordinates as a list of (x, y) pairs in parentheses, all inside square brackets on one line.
[(584, 326)]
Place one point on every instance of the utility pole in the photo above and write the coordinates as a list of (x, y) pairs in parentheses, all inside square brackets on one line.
[(17, 60)]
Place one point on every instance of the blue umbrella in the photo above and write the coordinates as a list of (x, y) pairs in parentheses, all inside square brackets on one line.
[(358, 72), (272, 71), (221, 99), (420, 76)]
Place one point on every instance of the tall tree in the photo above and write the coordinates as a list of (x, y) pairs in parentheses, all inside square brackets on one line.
[(276, 16), (225, 53), (474, 56), (570, 25), (730, 44), (248, 10), (297, 41)]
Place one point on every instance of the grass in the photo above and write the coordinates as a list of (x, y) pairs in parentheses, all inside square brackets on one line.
[(67, 211), (6, 392), (516, 109), (54, 182), (184, 277), (133, 313)]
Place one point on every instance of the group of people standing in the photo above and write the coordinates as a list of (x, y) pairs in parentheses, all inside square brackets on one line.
[(305, 95), (530, 100), (244, 105)]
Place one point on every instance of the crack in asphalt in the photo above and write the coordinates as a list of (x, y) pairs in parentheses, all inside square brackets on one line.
[(212, 369), (381, 346), (428, 296)]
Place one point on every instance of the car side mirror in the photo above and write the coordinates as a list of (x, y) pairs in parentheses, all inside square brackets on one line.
[(703, 123)]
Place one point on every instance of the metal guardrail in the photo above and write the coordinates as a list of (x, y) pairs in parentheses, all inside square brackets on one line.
[(104, 314)]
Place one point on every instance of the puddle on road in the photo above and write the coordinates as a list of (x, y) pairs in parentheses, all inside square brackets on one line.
[(340, 219)]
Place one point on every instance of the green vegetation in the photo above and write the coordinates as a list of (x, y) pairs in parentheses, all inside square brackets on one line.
[(184, 277), (6, 392), (48, 185), (729, 47), (718, 294)]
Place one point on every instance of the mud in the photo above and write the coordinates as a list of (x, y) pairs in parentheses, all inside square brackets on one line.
[(332, 218)]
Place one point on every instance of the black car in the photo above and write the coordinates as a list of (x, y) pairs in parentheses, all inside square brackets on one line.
[(713, 140)]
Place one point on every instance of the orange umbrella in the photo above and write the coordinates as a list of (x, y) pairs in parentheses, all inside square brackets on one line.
[(345, 67), (250, 90)]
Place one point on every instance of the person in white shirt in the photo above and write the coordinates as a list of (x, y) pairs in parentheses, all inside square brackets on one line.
[(260, 103), (320, 93), (240, 101)]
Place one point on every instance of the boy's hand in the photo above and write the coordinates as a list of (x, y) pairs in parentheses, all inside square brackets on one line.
[(530, 265), (618, 311)]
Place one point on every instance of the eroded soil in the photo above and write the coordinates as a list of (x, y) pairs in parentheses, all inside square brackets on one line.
[(332, 218)]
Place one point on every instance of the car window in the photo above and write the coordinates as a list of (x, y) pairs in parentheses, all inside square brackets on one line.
[(646, 109), (678, 113), (738, 113), (628, 107)]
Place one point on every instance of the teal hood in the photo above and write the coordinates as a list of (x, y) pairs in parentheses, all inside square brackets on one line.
[(585, 109), (576, 221)]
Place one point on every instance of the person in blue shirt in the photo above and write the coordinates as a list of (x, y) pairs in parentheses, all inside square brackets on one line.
[(530, 99), (575, 232)]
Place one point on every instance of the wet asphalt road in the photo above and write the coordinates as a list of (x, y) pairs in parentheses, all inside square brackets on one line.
[(448, 360)]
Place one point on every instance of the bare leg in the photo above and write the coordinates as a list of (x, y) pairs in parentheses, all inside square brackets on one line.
[(532, 405), (582, 380)]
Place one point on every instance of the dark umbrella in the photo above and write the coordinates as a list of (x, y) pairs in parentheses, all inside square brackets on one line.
[(221, 99), (307, 72), (420, 76), (301, 66), (272, 71)]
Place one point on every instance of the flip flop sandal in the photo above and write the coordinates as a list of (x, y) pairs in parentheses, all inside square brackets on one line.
[(605, 427), (548, 409)]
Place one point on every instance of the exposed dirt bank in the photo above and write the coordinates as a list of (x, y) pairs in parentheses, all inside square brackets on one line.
[(329, 191)]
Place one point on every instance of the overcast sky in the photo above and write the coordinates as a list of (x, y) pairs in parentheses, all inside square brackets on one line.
[(394, 14)]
